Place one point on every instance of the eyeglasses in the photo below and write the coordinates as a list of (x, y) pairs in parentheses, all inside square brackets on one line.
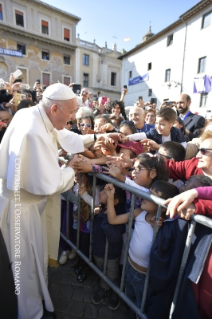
[(84, 92), (165, 156), (203, 151), (69, 123), (138, 169), (127, 122), (86, 125)]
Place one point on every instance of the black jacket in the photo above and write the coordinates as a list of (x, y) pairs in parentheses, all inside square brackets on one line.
[(102, 230), (165, 259), (193, 123), (176, 135)]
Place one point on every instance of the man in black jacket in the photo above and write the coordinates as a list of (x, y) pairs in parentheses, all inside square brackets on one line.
[(193, 122)]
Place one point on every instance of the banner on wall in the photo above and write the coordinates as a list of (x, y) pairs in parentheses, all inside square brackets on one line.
[(202, 84), (11, 52), (139, 79)]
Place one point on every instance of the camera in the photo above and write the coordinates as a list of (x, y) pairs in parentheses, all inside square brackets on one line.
[(169, 103), (140, 97), (153, 100), (2, 85), (125, 86)]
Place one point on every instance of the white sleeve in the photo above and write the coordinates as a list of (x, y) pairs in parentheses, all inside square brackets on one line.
[(133, 184), (137, 136), (88, 198)]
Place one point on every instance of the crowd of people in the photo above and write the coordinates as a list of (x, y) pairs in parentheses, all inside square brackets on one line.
[(164, 151)]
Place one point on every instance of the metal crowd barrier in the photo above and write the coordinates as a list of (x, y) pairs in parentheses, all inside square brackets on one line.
[(135, 192)]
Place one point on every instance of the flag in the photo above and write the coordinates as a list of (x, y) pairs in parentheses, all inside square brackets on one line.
[(126, 39)]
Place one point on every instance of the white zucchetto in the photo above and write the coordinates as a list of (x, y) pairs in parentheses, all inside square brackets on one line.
[(59, 92)]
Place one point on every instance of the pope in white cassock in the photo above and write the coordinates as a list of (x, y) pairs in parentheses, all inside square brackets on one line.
[(30, 181)]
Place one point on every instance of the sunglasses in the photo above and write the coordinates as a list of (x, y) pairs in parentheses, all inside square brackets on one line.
[(86, 125), (85, 92), (165, 156), (203, 151)]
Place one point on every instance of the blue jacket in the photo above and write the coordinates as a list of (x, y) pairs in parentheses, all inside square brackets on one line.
[(102, 230), (176, 135), (165, 259)]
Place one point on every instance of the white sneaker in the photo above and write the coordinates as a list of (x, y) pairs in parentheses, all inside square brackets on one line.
[(64, 257), (72, 254)]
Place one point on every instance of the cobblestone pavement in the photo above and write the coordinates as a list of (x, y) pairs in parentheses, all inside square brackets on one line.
[(72, 299)]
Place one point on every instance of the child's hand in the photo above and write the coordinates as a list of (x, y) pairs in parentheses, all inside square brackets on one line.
[(113, 170), (109, 190), (81, 189), (97, 210)]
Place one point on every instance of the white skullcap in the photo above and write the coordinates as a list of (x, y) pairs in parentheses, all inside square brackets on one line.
[(59, 92)]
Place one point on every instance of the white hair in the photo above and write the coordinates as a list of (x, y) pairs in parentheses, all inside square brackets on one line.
[(83, 111)]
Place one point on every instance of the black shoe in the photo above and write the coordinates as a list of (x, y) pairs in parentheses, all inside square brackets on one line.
[(114, 301), (48, 315), (78, 269), (83, 274), (99, 295)]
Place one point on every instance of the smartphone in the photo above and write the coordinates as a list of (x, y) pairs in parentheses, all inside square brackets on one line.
[(140, 97), (76, 87), (153, 100), (125, 86), (169, 103), (24, 86), (2, 86), (17, 98), (17, 73), (38, 81)]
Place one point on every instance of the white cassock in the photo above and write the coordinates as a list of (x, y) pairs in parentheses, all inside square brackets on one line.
[(30, 183)]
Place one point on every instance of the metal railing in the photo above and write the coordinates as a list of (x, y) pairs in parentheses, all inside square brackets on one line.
[(135, 192)]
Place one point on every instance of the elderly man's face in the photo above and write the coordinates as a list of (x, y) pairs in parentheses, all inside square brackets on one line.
[(63, 113), (137, 116), (85, 94), (5, 117)]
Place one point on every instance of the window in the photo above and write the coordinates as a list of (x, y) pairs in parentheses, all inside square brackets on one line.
[(113, 79), (169, 40), (67, 59), (130, 74), (21, 48), (1, 13), (150, 92), (168, 75), (66, 34), (203, 99), (85, 59), (85, 79), (202, 64), (19, 17), (206, 20), (45, 27), (46, 79), (66, 80), (45, 55), (149, 67)]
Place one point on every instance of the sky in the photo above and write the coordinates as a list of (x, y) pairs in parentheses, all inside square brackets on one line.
[(114, 20)]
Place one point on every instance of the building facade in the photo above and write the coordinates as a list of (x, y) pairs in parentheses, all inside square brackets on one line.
[(177, 59), (45, 36), (98, 68)]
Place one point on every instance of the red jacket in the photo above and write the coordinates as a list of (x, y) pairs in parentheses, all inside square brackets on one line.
[(184, 170)]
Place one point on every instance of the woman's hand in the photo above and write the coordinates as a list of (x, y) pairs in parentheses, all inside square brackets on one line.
[(182, 204)]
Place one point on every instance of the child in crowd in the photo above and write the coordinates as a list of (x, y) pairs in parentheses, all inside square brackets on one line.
[(141, 241), (85, 191), (102, 230), (100, 121), (196, 181), (163, 131), (127, 128), (86, 125), (172, 150)]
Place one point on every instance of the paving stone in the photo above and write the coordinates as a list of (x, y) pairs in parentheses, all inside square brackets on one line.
[(75, 283), (66, 291), (77, 309), (64, 304), (105, 312), (54, 288), (66, 278), (68, 316), (90, 282), (56, 277), (78, 293), (88, 294), (90, 311)]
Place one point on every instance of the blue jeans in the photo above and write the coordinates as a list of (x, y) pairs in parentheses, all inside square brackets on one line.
[(134, 284)]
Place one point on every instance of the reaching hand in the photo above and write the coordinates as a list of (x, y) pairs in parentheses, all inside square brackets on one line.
[(82, 166), (109, 190), (122, 161), (112, 170), (182, 204), (106, 128), (150, 144), (97, 209)]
